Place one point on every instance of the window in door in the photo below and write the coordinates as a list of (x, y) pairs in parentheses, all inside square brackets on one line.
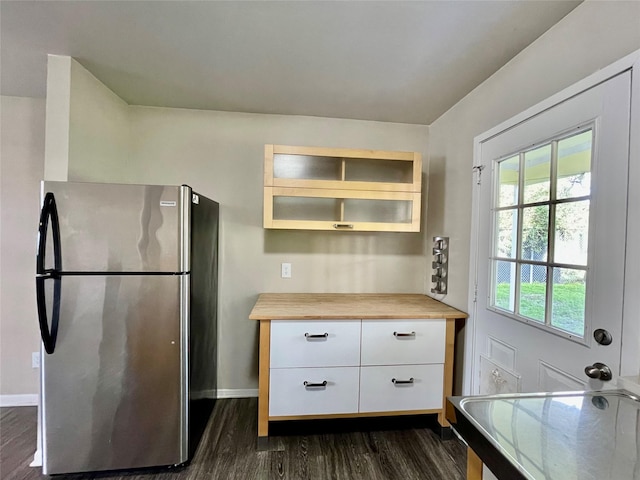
[(541, 230)]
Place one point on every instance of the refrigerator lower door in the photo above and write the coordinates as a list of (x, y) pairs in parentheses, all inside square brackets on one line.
[(114, 392)]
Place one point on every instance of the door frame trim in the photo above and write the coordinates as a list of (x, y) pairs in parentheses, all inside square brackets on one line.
[(630, 351)]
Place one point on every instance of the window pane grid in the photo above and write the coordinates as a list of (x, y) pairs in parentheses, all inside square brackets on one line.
[(534, 234), (532, 297), (546, 285), (567, 308), (506, 233), (549, 296), (543, 264), (558, 201), (517, 289)]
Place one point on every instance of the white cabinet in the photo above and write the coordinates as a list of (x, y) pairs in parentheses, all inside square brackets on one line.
[(311, 343), (350, 344), (356, 367), (402, 365), (313, 391), (390, 342), (398, 388)]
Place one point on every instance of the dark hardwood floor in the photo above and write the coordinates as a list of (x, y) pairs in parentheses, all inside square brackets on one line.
[(371, 449)]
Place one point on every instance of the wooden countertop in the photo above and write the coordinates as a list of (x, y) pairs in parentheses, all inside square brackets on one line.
[(313, 306)]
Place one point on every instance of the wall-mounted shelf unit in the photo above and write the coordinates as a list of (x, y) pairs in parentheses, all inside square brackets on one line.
[(313, 188)]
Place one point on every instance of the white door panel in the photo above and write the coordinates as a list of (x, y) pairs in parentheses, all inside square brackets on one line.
[(548, 359)]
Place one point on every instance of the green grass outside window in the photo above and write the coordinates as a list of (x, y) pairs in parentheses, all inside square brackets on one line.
[(568, 303)]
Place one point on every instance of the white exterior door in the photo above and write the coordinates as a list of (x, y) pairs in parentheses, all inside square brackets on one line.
[(551, 234)]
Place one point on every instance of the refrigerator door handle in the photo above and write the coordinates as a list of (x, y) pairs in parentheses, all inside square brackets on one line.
[(49, 335), (49, 209)]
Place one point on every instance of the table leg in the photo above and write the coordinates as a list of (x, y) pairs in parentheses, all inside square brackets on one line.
[(447, 390), (263, 381), (474, 465)]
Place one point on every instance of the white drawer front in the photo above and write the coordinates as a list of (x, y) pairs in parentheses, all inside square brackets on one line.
[(302, 343), (391, 342), (378, 393), (288, 394)]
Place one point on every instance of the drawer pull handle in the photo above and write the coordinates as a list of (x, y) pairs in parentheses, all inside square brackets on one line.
[(399, 334), (310, 336), (402, 382), (316, 385), (343, 225)]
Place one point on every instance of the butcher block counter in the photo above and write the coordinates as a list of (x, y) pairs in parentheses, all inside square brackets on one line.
[(353, 355)]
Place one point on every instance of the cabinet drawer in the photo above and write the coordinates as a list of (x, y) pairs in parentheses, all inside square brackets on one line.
[(423, 390), (288, 394), (310, 343), (386, 342)]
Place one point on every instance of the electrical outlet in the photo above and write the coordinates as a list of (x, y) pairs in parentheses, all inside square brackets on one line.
[(285, 270), (35, 359)]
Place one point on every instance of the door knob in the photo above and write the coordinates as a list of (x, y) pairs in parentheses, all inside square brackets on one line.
[(598, 371), (602, 336)]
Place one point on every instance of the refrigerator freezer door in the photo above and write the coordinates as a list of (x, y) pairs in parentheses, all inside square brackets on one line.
[(114, 393), (122, 228)]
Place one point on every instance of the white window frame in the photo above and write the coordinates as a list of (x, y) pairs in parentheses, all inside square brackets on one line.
[(548, 264)]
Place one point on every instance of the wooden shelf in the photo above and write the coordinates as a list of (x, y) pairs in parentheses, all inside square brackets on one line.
[(315, 188)]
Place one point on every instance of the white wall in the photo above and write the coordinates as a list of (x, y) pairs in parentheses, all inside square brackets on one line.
[(21, 163), (98, 128), (56, 145), (590, 37), (86, 123), (221, 155)]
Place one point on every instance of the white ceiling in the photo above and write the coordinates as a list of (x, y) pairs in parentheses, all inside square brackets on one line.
[(391, 61)]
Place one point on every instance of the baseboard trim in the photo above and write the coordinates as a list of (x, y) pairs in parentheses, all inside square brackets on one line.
[(37, 459), (237, 392), (199, 395), (27, 400)]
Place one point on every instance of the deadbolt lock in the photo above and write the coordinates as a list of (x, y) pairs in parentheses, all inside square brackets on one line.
[(602, 336)]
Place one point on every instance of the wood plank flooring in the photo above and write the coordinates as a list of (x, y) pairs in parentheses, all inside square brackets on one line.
[(369, 449)]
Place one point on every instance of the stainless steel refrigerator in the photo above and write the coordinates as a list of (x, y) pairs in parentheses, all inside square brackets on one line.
[(126, 287)]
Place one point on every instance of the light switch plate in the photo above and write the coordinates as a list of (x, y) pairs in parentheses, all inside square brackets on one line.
[(285, 270)]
